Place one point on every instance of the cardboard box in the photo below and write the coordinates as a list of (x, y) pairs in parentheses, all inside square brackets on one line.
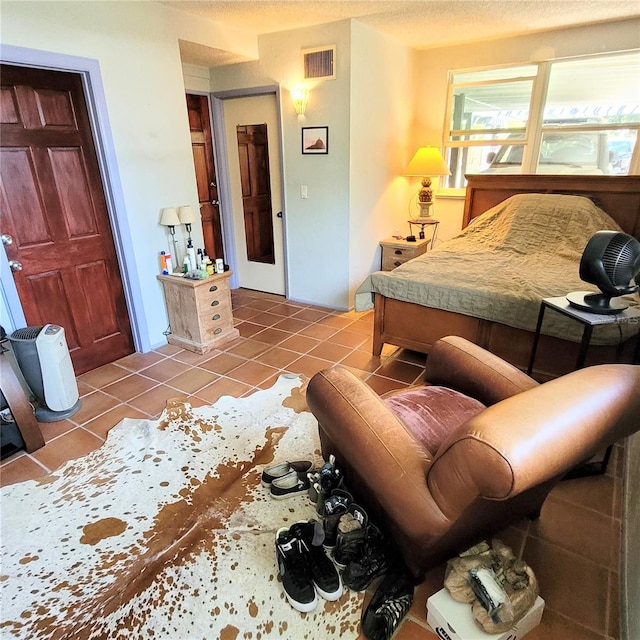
[(452, 620)]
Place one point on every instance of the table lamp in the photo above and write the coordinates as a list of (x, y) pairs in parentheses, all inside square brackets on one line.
[(426, 162), (169, 218)]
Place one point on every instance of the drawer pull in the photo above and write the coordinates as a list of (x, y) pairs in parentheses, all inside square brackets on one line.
[(215, 303), (217, 331), (397, 263), (216, 317), (398, 252), (213, 287)]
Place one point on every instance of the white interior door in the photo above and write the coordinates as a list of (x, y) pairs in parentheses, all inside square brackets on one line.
[(254, 110)]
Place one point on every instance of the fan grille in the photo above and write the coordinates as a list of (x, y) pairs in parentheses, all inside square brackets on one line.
[(28, 333), (617, 259)]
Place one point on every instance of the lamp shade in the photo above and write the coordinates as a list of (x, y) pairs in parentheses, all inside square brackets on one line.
[(427, 161), (169, 217), (185, 214)]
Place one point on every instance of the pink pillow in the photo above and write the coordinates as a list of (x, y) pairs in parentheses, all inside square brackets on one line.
[(431, 413)]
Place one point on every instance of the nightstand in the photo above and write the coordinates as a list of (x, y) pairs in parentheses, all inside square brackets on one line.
[(397, 252), (200, 314)]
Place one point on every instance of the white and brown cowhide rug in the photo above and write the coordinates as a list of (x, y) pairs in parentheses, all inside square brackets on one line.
[(165, 532)]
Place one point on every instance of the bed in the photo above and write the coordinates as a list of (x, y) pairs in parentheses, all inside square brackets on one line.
[(413, 303)]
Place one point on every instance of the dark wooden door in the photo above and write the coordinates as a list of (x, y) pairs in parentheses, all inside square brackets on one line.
[(52, 204), (253, 151), (202, 146)]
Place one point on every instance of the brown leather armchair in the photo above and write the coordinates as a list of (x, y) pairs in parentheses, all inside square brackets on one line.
[(481, 444)]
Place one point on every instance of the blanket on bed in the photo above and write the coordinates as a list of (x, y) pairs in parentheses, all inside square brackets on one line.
[(501, 266)]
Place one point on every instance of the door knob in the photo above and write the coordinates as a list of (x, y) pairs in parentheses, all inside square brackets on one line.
[(6, 239), (279, 214), (14, 265), (215, 202)]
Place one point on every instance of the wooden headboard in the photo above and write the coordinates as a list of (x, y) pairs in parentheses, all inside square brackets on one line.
[(619, 196)]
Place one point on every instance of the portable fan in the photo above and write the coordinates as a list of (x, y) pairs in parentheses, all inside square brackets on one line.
[(611, 261)]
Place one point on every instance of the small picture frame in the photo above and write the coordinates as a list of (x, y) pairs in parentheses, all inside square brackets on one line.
[(315, 140)]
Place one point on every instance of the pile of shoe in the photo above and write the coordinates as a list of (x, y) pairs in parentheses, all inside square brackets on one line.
[(312, 555), (286, 479)]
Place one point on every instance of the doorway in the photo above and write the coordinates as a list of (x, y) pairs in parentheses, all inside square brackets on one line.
[(206, 180), (252, 141), (58, 237)]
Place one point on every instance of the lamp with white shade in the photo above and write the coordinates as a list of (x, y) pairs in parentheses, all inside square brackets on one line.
[(187, 218), (426, 162), (169, 218)]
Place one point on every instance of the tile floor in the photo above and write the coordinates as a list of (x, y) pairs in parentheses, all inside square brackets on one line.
[(573, 547)]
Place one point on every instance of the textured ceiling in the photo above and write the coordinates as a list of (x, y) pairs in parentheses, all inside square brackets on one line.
[(421, 24)]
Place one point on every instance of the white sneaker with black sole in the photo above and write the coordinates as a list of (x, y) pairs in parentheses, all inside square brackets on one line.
[(294, 573)]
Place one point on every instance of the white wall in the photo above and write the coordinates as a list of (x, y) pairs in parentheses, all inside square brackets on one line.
[(317, 228), (430, 77), (380, 119), (136, 46), (354, 195)]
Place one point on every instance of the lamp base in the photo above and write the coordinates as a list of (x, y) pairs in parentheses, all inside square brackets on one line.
[(425, 209)]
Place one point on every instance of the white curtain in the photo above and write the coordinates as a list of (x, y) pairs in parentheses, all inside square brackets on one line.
[(634, 165)]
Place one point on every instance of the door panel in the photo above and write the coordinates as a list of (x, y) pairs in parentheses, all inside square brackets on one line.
[(53, 205), (253, 154), (202, 147)]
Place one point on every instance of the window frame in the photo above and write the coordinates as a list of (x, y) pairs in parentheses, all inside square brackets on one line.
[(534, 128)]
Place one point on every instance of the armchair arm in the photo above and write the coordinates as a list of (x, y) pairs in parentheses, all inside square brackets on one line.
[(464, 366), (387, 458), (536, 436)]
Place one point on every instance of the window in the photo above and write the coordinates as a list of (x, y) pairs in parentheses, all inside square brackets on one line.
[(570, 116)]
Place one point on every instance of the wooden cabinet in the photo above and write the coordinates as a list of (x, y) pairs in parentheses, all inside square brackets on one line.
[(200, 315), (396, 252)]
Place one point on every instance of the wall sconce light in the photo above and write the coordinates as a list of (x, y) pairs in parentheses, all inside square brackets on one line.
[(169, 218), (300, 98), (187, 218), (426, 162)]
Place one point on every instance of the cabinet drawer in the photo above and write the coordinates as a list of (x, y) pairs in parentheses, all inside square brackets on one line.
[(393, 257)]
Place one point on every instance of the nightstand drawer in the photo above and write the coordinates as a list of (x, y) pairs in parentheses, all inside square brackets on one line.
[(397, 252)]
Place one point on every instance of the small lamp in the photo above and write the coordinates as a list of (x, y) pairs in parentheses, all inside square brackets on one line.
[(169, 218), (426, 162), (300, 98), (187, 218)]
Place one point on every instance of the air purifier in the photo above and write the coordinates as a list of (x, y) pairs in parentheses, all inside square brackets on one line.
[(44, 361)]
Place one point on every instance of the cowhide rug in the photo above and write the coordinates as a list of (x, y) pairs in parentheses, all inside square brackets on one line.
[(165, 531)]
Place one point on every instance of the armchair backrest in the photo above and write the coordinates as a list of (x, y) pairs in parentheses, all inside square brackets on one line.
[(462, 365)]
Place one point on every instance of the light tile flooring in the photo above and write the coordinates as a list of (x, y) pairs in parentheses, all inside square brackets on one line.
[(573, 548)]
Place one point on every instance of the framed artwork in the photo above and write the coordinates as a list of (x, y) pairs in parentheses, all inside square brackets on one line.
[(315, 140)]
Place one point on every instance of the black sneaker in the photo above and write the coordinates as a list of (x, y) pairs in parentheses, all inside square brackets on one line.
[(322, 571), (292, 566), (334, 507), (377, 557), (388, 606), (352, 530), (292, 484)]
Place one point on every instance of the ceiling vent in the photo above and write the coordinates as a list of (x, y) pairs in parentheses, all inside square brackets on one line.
[(319, 63)]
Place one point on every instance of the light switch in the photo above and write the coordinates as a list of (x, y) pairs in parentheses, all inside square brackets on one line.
[(304, 191)]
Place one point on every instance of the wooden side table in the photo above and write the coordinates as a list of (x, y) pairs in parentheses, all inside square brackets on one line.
[(396, 252), (200, 315)]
